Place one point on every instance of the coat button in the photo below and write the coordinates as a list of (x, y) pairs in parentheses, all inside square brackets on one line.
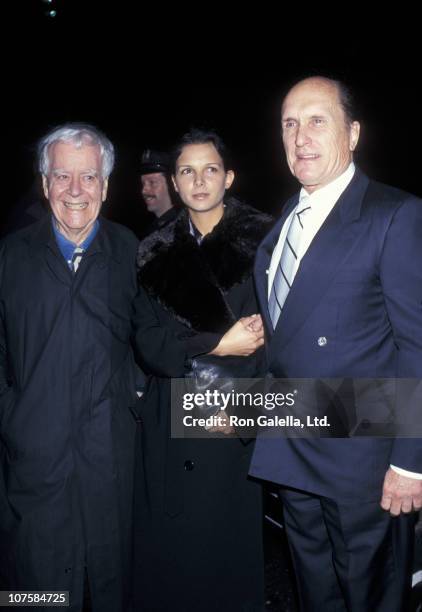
[(322, 341), (189, 465), (135, 415)]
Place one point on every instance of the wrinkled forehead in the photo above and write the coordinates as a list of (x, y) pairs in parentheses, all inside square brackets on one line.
[(312, 96), (68, 150)]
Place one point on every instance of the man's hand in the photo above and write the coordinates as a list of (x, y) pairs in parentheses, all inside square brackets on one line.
[(401, 494)]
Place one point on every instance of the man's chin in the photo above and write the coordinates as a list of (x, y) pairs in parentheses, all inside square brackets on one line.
[(74, 233)]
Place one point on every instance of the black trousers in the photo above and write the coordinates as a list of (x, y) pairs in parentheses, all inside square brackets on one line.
[(350, 557)]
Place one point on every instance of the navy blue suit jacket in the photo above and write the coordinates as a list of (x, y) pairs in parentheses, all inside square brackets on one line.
[(359, 285)]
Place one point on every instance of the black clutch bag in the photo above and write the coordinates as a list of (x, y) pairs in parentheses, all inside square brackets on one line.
[(210, 373)]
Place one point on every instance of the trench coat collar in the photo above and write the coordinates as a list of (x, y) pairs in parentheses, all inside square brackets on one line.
[(105, 241), (43, 243)]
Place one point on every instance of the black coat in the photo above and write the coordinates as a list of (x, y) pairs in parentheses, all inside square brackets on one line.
[(67, 380), (158, 223), (198, 542)]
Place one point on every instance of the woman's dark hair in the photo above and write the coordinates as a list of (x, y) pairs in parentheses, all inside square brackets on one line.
[(201, 136)]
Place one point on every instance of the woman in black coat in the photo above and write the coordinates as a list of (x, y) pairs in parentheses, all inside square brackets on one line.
[(198, 543)]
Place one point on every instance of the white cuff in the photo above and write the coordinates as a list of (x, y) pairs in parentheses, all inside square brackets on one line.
[(415, 475)]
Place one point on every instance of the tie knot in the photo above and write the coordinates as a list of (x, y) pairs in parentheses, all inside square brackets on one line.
[(302, 210), (76, 258), (77, 253)]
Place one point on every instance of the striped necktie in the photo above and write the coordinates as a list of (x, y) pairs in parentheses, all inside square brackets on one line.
[(76, 259), (286, 268)]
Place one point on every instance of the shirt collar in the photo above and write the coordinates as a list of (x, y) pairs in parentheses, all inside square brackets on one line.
[(329, 194), (67, 247), (194, 231)]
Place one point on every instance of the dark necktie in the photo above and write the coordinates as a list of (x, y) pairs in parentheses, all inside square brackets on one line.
[(76, 259)]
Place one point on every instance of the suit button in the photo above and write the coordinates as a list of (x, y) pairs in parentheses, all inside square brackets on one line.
[(322, 341), (189, 465)]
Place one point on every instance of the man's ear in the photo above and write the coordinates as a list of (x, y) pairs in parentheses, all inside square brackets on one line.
[(354, 135), (45, 185), (105, 189), (173, 180)]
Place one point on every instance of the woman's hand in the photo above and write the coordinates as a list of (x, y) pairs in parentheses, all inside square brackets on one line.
[(224, 427), (242, 339), (256, 325)]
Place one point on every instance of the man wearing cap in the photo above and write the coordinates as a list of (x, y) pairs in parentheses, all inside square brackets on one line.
[(156, 189)]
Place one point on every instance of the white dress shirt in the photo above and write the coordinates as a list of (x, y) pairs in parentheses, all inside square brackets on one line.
[(322, 202)]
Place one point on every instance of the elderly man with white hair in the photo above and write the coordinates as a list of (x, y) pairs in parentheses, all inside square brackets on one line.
[(68, 382)]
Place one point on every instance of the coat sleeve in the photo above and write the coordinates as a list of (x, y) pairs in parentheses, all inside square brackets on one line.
[(4, 386), (160, 349), (401, 278), (244, 303), (7, 396)]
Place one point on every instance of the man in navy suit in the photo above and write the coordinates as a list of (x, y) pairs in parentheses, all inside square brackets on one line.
[(341, 297)]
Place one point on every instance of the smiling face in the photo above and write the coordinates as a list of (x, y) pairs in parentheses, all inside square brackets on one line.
[(75, 188), (318, 140), (155, 193), (200, 177)]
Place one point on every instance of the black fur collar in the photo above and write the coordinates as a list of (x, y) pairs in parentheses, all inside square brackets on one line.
[(190, 280)]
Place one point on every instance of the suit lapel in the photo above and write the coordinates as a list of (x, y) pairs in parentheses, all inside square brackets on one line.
[(322, 260)]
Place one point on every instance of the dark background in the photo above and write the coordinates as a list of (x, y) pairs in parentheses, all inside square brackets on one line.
[(144, 72)]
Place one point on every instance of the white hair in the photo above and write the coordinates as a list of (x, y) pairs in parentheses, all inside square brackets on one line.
[(78, 134)]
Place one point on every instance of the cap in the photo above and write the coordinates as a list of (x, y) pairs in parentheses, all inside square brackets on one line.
[(154, 161)]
